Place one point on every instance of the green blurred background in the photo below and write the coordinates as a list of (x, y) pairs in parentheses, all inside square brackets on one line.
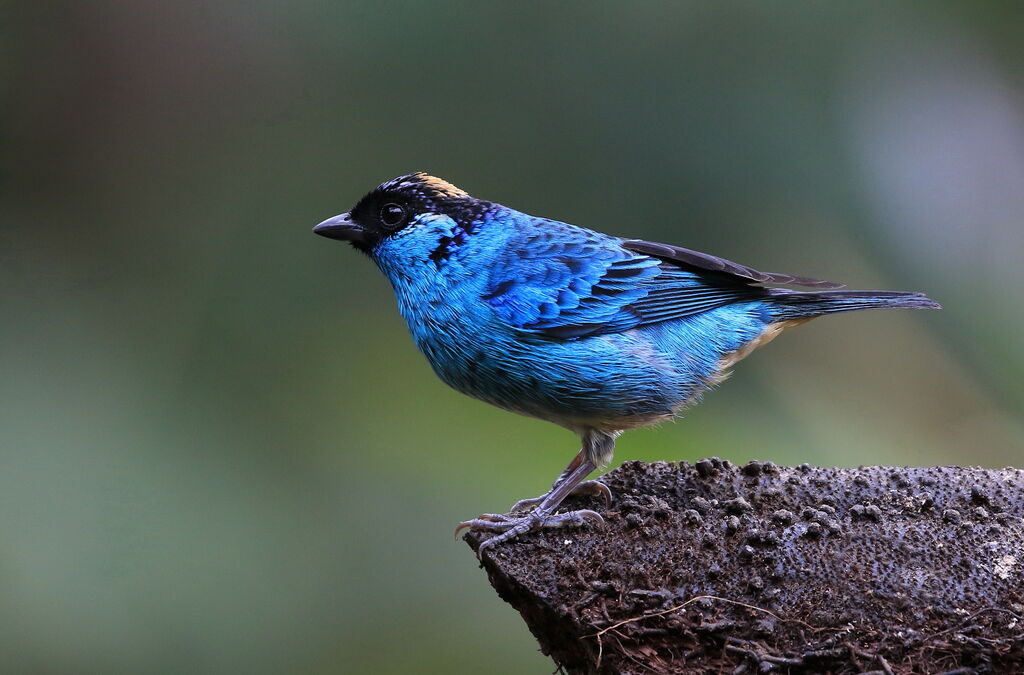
[(219, 449)]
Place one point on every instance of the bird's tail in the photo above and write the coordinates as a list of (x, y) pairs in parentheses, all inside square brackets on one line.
[(799, 305)]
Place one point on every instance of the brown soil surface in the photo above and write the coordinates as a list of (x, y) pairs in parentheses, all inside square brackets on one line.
[(716, 568)]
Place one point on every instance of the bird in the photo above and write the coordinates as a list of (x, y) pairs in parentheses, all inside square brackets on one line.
[(595, 333)]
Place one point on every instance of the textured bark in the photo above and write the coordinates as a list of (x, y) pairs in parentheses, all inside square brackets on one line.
[(713, 568)]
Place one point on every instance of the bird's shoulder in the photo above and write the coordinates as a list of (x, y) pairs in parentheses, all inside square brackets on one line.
[(544, 239)]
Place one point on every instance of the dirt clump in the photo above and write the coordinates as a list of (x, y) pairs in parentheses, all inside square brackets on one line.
[(717, 568)]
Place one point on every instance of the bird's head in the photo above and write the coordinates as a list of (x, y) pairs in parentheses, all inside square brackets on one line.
[(427, 214)]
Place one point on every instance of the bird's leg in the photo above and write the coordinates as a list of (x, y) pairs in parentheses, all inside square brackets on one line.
[(586, 487), (597, 448), (593, 488)]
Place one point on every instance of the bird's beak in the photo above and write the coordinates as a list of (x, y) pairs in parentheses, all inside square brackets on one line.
[(341, 227)]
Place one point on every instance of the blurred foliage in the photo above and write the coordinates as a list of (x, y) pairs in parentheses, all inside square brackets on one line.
[(219, 450)]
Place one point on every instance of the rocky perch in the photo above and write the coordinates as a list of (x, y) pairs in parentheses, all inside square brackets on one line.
[(716, 568)]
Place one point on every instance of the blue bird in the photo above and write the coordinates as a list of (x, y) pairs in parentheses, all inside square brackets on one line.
[(592, 332)]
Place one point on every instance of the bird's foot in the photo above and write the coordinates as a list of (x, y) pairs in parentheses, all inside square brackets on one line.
[(593, 488), (510, 527)]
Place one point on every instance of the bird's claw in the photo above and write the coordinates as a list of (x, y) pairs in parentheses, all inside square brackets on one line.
[(481, 522), (593, 488), (510, 527)]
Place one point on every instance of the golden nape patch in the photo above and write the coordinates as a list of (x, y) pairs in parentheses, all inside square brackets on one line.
[(440, 186), (771, 331)]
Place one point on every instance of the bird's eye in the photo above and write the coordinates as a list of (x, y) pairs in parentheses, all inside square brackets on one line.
[(392, 215)]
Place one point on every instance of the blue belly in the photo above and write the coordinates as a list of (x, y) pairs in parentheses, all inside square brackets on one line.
[(636, 375)]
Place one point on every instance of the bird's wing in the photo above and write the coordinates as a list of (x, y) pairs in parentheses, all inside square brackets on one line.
[(689, 259), (565, 282)]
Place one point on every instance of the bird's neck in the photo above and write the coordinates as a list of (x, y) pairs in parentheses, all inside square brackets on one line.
[(439, 271)]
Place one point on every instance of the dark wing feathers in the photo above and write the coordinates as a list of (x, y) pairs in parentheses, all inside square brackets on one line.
[(565, 282), (712, 263)]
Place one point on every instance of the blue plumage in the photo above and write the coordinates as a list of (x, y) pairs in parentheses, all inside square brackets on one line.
[(589, 331)]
